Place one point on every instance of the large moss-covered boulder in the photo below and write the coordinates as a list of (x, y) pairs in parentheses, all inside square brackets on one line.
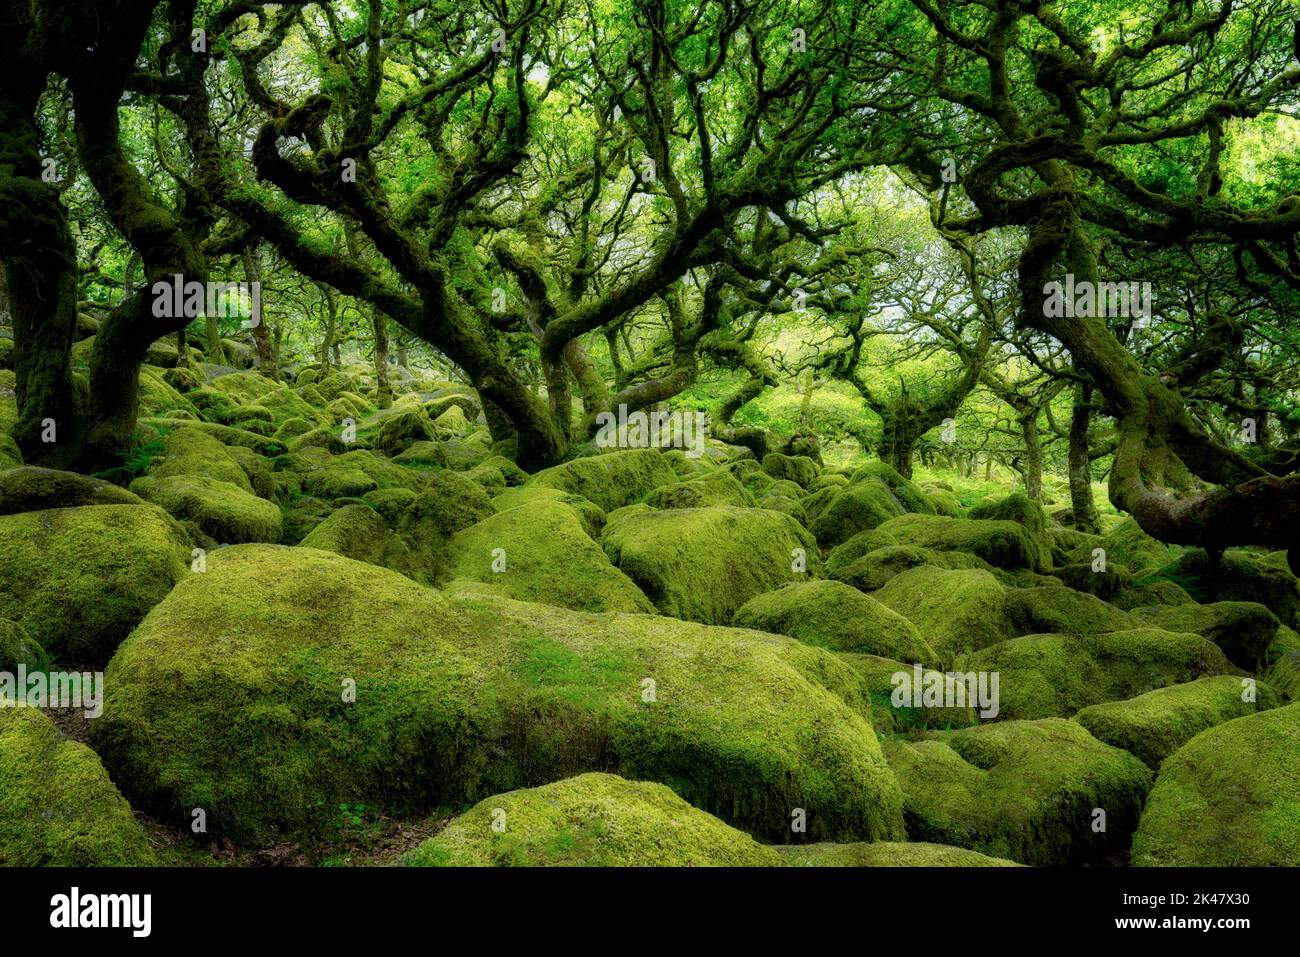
[(886, 854), (222, 510), (1023, 510), (1055, 608), (57, 806), (854, 508), (873, 569), (795, 468), (1238, 576), (1229, 797), (79, 579), (905, 490), (591, 515), (30, 489), (1027, 791), (717, 487), (954, 610), (1243, 629), (1127, 545), (833, 615), (592, 820), (403, 429), (702, 564), (539, 551), (287, 679), (888, 685), (359, 532), (1000, 542), (19, 648), (1156, 724), (190, 451), (1043, 676), (612, 479), (450, 503)]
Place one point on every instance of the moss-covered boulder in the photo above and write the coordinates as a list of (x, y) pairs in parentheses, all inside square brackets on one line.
[(1027, 791), (591, 515), (717, 487), (1084, 576), (19, 648), (898, 713), (402, 430), (592, 820), (833, 615), (539, 551), (1055, 608), (612, 479), (338, 481), (222, 510), (453, 421), (1023, 510), (1243, 629), (422, 455), (795, 468), (79, 579), (450, 503), (1133, 548), (1238, 576), (30, 489), (359, 532), (1000, 542), (1229, 797), (702, 564), (954, 610), (233, 695), (854, 508), (886, 854), (1044, 676), (1156, 724), (905, 490), (57, 806), (190, 451)]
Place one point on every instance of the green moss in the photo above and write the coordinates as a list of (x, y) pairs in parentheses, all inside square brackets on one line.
[(858, 507), (702, 564), (905, 490), (360, 533), (57, 806), (1055, 608), (592, 820), (453, 422), (157, 397), (795, 468), (400, 431), (222, 433), (1133, 548), (591, 515), (29, 489), (1157, 592), (1243, 629), (877, 677), (886, 854), (335, 481), (944, 502), (611, 479), (391, 503), (954, 610), (511, 472), (226, 512), (464, 454), (1239, 576), (1021, 790), (1229, 797), (229, 697), (1055, 675), (423, 455), (19, 648), (714, 488), (1022, 510), (1156, 724), (870, 570), (833, 615), (1104, 584), (1002, 543), (78, 579), (189, 451), (539, 551)]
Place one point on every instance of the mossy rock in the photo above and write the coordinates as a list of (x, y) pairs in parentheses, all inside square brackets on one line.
[(1133, 548), (702, 564), (422, 455), (229, 696), (1239, 576), (333, 384), (453, 421), (905, 490), (19, 648), (860, 506), (592, 820), (391, 503), (485, 475), (1156, 724), (511, 472), (158, 397), (335, 482), (402, 430), (1084, 576), (591, 515), (890, 714), (873, 569), (1230, 797), (30, 489), (1024, 791), (360, 533), (302, 516), (463, 454), (383, 472), (795, 468), (1021, 509), (307, 376), (1045, 676), (189, 451), (1001, 543), (886, 854), (79, 579), (1055, 608), (222, 510), (329, 438), (955, 610), (293, 427), (225, 434), (539, 551), (717, 487), (1148, 593), (10, 454), (1243, 629), (833, 615), (450, 503), (466, 402), (944, 502), (612, 479), (786, 506), (57, 806)]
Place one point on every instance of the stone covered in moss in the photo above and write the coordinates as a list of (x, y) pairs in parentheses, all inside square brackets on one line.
[(450, 503), (1046, 676), (400, 431), (1133, 548), (880, 678), (1230, 797), (360, 532), (30, 489), (1023, 510), (422, 455), (717, 487), (57, 806), (796, 468), (79, 579), (592, 820), (612, 479), (539, 551), (19, 648), (223, 511), (1243, 629), (1156, 724), (905, 490), (591, 515), (857, 507), (338, 481), (1055, 608), (1083, 576), (189, 451), (1240, 575), (954, 610), (886, 854), (702, 564), (1000, 542), (1026, 791), (232, 696), (833, 615)]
